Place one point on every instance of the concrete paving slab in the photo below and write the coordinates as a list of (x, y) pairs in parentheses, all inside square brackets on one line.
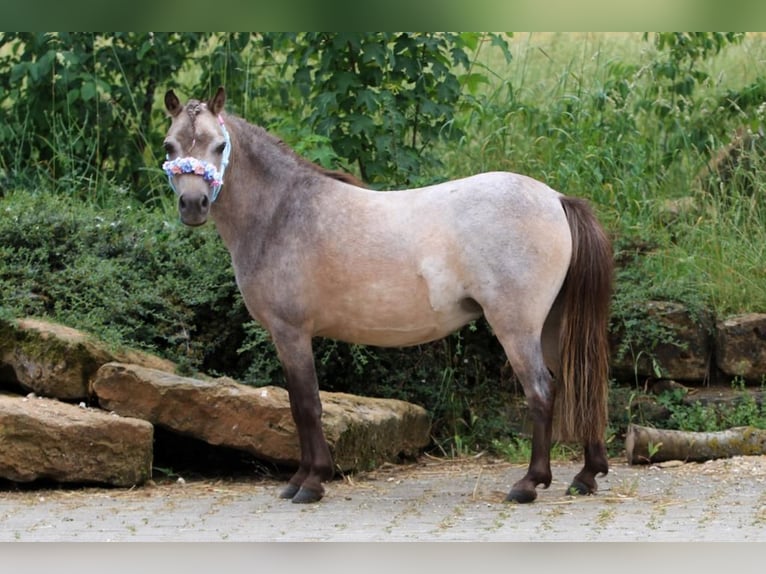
[(430, 500)]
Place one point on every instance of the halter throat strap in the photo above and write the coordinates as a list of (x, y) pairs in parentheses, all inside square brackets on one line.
[(202, 168)]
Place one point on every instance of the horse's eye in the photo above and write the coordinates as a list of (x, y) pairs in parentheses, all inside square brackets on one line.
[(169, 147), (219, 149)]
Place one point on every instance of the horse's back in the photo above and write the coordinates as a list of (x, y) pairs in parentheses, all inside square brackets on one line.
[(502, 204)]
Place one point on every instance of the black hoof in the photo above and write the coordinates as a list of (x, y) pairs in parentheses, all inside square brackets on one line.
[(578, 487), (289, 491), (521, 496), (306, 496)]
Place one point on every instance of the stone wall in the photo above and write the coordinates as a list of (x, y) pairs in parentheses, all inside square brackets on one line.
[(702, 352)]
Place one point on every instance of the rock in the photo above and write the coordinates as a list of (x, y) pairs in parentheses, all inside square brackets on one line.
[(686, 357), (723, 398), (47, 439), (57, 361), (362, 432), (741, 346)]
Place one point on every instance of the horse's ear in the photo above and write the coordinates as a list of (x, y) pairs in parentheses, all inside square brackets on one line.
[(172, 104), (216, 103)]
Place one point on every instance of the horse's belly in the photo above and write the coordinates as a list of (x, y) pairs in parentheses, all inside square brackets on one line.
[(399, 327)]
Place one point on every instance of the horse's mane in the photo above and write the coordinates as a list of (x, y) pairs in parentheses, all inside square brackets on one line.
[(343, 176), (195, 107)]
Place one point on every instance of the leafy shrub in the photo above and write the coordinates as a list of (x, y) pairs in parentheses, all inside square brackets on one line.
[(84, 107), (77, 107), (382, 99), (699, 417), (126, 274)]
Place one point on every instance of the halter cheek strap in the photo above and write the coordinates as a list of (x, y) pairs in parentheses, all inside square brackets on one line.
[(205, 169)]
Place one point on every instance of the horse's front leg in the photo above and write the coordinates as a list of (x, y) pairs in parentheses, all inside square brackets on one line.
[(316, 465)]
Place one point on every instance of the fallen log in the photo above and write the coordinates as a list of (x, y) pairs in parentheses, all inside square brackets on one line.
[(645, 445)]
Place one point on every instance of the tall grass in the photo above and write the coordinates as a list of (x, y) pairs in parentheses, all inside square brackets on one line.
[(576, 111)]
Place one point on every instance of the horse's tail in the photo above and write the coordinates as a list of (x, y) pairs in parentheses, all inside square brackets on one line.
[(586, 296)]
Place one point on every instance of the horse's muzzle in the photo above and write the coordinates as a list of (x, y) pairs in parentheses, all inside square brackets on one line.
[(193, 208)]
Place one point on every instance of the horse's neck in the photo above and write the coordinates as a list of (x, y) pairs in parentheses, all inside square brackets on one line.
[(257, 188)]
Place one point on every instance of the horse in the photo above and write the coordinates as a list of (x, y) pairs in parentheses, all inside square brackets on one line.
[(317, 254)]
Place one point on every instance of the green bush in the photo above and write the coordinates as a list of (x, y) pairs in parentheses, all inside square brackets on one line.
[(86, 107), (76, 108), (129, 275), (710, 417)]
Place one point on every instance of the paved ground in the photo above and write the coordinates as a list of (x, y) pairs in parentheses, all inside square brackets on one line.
[(431, 500)]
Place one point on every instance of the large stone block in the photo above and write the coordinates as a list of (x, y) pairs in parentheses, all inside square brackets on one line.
[(46, 439), (362, 432), (741, 346), (681, 349), (57, 361)]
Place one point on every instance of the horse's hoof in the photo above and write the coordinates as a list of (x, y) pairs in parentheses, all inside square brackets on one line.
[(306, 496), (289, 491), (578, 487), (521, 496)]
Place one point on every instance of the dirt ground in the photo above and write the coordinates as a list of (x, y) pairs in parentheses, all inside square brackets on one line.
[(430, 500)]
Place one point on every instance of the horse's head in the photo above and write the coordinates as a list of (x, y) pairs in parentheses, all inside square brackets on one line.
[(197, 146)]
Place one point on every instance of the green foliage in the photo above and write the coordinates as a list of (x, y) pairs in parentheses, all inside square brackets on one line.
[(677, 75), (671, 95), (640, 332), (710, 417), (381, 98), (516, 449), (263, 367), (519, 450), (77, 106), (84, 107), (125, 274)]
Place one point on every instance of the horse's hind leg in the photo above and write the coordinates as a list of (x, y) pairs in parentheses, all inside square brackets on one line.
[(538, 390), (596, 462), (295, 353), (525, 355)]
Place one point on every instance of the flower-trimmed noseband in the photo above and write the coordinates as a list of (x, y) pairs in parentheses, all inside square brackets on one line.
[(203, 168)]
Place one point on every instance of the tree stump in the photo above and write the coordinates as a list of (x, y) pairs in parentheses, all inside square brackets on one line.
[(644, 445)]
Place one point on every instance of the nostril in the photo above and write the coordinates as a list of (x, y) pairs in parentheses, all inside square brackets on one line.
[(181, 203), (205, 201)]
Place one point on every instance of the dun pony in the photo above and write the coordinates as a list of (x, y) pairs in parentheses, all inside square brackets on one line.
[(315, 254)]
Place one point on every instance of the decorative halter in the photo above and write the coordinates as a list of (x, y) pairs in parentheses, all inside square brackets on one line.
[(207, 170)]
